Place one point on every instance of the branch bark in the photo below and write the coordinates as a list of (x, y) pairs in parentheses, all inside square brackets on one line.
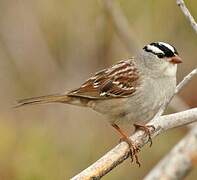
[(121, 152), (187, 14)]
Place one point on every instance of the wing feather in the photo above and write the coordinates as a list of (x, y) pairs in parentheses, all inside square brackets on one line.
[(119, 80)]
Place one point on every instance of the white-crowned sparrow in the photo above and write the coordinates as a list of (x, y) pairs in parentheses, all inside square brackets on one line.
[(132, 90)]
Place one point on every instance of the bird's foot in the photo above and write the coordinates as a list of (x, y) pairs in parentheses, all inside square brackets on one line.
[(133, 149), (146, 130)]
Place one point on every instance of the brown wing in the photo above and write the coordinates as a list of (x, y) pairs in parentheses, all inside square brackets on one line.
[(119, 80)]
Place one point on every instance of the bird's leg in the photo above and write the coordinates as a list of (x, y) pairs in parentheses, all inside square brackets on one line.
[(146, 131), (133, 148)]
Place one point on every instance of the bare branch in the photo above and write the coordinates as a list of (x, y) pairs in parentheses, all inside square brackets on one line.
[(178, 163), (121, 25), (187, 14), (121, 152)]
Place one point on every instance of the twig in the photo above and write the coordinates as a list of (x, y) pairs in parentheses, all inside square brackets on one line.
[(121, 152), (187, 14), (121, 25)]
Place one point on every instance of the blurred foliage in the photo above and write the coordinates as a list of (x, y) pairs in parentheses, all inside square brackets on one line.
[(49, 46)]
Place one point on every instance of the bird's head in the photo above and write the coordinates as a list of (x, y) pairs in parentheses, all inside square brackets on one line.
[(161, 56)]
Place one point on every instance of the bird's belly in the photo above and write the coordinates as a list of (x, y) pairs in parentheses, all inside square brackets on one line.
[(126, 110)]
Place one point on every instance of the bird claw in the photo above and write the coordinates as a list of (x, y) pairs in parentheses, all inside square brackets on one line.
[(133, 150), (146, 130)]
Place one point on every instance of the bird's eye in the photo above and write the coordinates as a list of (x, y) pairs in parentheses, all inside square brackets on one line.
[(160, 55)]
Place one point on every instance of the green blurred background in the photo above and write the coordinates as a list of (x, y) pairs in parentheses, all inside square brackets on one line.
[(49, 46)]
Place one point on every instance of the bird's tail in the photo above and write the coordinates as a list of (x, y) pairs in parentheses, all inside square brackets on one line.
[(62, 98)]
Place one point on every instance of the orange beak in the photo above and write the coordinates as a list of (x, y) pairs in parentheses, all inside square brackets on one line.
[(175, 60)]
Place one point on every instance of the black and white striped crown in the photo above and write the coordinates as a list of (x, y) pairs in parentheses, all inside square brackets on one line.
[(161, 49)]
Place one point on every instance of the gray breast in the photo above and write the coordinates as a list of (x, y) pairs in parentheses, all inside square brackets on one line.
[(150, 98), (146, 102)]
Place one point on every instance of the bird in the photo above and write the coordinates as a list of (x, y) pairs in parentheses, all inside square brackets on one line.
[(132, 90)]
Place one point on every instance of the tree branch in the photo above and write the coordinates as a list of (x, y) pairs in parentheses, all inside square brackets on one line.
[(121, 152), (187, 14), (121, 25), (178, 163)]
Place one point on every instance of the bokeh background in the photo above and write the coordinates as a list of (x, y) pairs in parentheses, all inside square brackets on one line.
[(50, 46)]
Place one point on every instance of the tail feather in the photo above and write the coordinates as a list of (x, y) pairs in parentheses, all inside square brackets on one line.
[(43, 99)]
